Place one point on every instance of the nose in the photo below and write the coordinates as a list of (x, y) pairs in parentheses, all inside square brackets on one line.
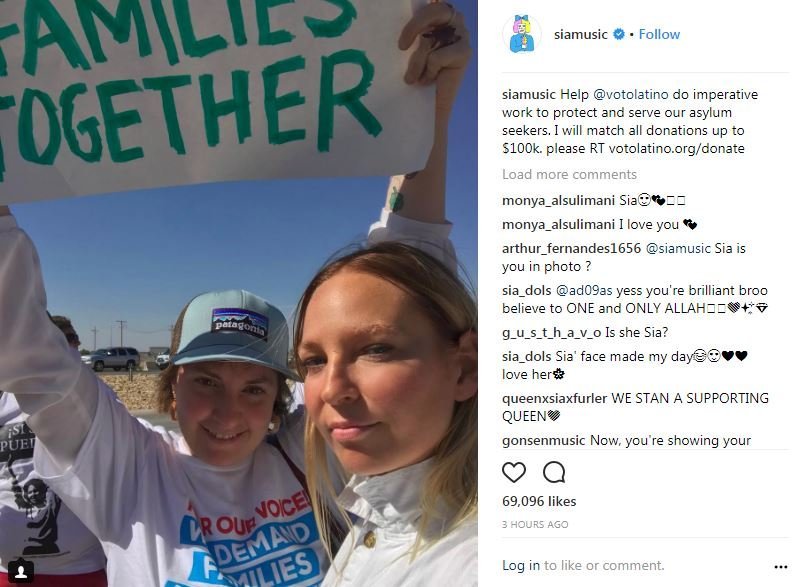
[(226, 406), (338, 385)]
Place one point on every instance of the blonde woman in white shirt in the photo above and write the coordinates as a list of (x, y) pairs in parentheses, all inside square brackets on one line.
[(386, 340)]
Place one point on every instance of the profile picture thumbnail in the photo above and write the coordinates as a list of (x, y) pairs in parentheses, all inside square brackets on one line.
[(523, 33)]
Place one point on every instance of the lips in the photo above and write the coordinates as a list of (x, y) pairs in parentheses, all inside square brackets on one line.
[(343, 431), (222, 436)]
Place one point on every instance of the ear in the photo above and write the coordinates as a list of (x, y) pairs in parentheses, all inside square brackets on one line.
[(467, 358)]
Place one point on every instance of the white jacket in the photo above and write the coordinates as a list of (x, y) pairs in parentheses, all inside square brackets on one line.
[(378, 551)]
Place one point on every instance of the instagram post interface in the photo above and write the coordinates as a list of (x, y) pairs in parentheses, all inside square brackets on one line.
[(633, 213)]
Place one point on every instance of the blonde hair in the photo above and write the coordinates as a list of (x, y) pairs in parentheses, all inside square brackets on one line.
[(449, 496)]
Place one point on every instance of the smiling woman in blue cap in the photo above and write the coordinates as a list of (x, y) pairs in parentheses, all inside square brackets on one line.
[(226, 384)]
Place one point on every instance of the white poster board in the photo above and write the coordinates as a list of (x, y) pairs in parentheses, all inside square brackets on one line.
[(108, 95)]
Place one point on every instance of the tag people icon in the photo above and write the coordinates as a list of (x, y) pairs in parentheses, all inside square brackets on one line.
[(20, 571)]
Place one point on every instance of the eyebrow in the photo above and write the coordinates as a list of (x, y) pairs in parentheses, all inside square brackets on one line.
[(372, 329), (208, 371)]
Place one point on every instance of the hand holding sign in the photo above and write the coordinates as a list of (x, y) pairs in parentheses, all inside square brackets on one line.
[(442, 54), (443, 51)]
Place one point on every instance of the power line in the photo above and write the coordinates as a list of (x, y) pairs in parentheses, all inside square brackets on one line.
[(150, 331), (122, 322)]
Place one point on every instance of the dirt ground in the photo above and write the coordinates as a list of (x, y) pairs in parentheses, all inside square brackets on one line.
[(137, 394)]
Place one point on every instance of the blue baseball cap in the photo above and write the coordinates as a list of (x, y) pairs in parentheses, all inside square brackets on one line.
[(234, 325)]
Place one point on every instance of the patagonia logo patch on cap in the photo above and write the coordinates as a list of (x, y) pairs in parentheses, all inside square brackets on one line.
[(240, 320)]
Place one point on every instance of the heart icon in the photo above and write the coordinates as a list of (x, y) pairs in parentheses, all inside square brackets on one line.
[(692, 225), (513, 471), (728, 355), (741, 354), (734, 306), (661, 201), (554, 415)]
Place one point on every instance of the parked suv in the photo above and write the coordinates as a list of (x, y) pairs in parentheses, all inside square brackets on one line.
[(163, 360), (116, 357)]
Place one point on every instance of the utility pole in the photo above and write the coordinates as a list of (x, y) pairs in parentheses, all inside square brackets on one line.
[(94, 330), (122, 322)]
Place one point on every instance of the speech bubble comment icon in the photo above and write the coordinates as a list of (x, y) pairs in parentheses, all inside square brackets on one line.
[(554, 472)]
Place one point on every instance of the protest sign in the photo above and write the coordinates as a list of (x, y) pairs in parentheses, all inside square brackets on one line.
[(108, 95)]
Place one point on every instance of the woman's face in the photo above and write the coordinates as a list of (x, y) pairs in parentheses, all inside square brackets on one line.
[(224, 408), (381, 383), (36, 493)]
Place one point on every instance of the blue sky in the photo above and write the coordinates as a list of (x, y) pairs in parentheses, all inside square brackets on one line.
[(140, 256)]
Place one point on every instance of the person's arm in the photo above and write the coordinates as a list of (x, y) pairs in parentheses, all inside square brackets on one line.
[(19, 497), (414, 210), (35, 362), (441, 57)]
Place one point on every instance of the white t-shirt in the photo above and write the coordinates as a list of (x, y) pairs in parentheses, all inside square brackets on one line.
[(33, 521), (167, 518)]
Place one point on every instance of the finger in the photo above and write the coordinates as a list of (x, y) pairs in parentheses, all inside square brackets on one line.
[(417, 62), (453, 56), (426, 17), (416, 67)]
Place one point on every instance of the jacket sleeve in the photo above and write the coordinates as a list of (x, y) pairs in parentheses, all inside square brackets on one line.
[(430, 238), (50, 384)]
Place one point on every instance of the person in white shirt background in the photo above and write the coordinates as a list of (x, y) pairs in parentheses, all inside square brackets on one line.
[(33, 522)]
